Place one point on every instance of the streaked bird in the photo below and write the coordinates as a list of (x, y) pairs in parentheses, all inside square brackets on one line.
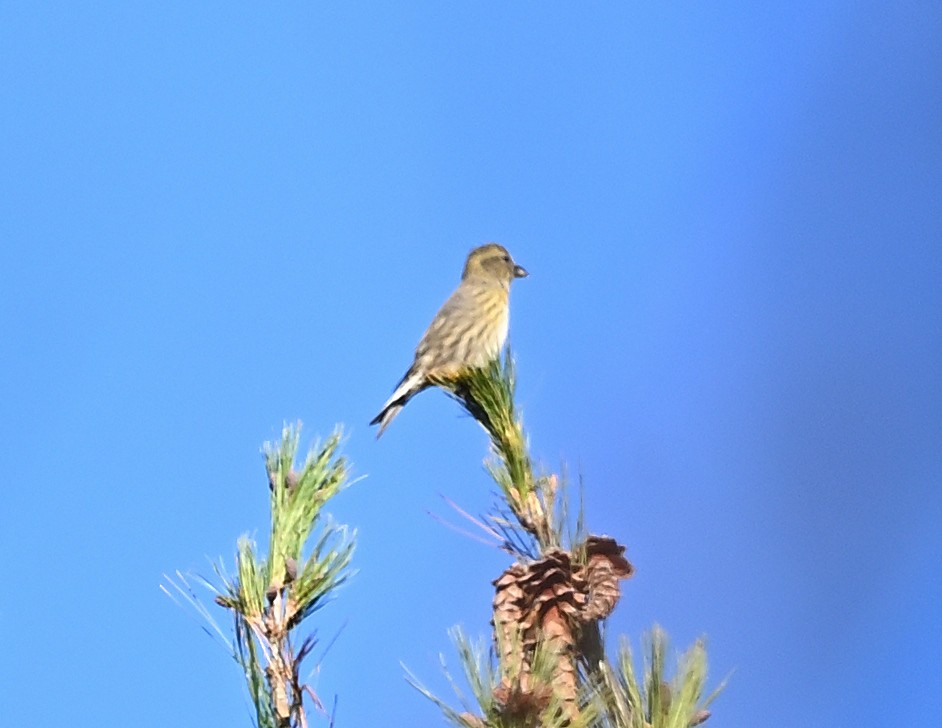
[(468, 331)]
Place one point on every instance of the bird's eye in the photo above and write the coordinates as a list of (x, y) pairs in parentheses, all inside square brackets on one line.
[(507, 258)]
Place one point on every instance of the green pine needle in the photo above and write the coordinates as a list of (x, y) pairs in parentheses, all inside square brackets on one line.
[(655, 701), (309, 557), (488, 395)]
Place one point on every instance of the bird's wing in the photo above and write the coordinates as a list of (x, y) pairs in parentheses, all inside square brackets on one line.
[(441, 344)]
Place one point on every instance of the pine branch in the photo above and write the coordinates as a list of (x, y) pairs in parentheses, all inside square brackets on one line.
[(508, 698), (534, 501), (655, 701), (308, 558), (549, 666)]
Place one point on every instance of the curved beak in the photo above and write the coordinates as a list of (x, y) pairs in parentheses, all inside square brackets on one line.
[(520, 272)]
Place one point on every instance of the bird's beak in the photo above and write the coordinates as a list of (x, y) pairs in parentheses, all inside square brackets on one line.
[(520, 272)]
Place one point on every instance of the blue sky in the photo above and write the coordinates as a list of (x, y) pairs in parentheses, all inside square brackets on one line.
[(217, 219)]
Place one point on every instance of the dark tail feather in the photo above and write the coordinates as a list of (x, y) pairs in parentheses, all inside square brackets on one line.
[(409, 386), (388, 415)]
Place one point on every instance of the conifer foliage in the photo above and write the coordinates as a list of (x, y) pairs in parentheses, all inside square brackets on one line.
[(545, 665), (271, 596), (548, 665)]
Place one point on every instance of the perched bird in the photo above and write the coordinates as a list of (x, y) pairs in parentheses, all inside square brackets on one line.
[(468, 331)]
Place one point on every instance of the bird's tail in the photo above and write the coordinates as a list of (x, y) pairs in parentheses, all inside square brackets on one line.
[(412, 383)]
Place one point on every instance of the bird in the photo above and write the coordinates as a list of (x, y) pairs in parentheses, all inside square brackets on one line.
[(468, 332)]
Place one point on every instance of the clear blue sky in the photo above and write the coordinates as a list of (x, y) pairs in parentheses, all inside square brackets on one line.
[(215, 218)]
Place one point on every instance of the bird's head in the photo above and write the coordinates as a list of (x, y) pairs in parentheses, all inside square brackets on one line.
[(492, 262)]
